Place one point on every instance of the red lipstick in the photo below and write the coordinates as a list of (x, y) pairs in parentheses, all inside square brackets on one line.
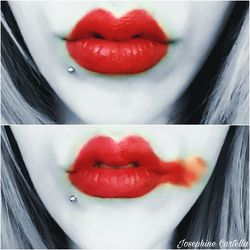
[(127, 169), (102, 43)]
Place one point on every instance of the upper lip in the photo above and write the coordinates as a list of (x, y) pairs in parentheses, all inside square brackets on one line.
[(102, 24)]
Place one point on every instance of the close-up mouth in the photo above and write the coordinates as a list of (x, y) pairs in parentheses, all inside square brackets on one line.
[(129, 168), (103, 43)]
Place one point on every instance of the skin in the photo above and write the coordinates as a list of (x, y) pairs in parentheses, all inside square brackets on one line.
[(144, 222), (120, 99)]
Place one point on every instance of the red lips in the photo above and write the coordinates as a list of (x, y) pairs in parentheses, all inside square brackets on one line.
[(105, 44), (129, 168)]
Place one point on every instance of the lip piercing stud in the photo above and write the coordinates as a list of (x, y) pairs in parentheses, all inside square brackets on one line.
[(71, 69), (73, 198)]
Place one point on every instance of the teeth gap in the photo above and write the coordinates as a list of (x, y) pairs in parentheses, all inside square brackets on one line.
[(97, 35), (134, 164), (136, 36), (101, 165), (97, 164)]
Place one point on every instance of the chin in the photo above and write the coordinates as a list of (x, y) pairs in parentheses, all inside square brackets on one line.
[(122, 242)]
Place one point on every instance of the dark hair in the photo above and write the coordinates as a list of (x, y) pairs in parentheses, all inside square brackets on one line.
[(197, 94), (216, 214)]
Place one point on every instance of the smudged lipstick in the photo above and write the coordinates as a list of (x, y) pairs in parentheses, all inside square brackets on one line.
[(102, 43), (127, 169)]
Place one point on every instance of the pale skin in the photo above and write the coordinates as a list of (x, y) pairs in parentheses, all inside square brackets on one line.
[(144, 222), (142, 98)]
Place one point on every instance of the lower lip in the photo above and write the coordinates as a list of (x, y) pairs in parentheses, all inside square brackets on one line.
[(112, 57), (128, 182), (119, 183)]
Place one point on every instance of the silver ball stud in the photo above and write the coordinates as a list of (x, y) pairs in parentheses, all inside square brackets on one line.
[(73, 198), (71, 69)]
